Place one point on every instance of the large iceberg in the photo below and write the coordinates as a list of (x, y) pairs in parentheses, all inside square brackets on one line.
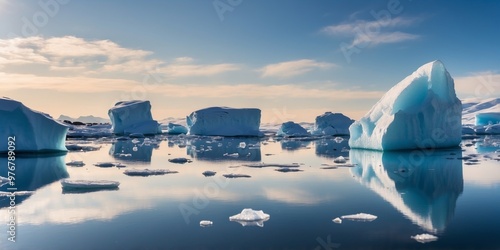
[(421, 111), (332, 124), (33, 131), (224, 121), (133, 117)]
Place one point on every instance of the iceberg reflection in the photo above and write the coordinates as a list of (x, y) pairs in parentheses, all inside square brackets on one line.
[(423, 185), (332, 147), (32, 173), (292, 144), (133, 150), (221, 149)]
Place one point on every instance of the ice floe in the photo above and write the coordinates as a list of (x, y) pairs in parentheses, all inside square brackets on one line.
[(148, 172), (359, 217), (89, 184), (424, 238), (180, 160), (206, 223), (250, 217)]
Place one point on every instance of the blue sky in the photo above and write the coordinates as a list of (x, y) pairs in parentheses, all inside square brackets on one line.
[(293, 59)]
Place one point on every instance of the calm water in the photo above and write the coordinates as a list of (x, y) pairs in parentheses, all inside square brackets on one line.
[(412, 193)]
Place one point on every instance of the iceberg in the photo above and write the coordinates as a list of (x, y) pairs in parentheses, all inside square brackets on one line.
[(224, 121), (291, 129), (176, 129), (130, 117), (332, 124), (29, 130), (206, 223), (483, 119), (88, 184), (250, 217), (421, 111), (180, 160)]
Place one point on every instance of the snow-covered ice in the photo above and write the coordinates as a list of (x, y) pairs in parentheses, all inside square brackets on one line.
[(421, 111), (89, 184), (424, 238), (291, 129), (224, 121), (34, 131), (176, 129), (359, 217), (332, 124), (133, 117), (148, 172), (250, 217), (337, 220), (106, 164), (206, 223)]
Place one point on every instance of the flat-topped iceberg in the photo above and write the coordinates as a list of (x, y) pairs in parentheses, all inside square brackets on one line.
[(224, 121), (291, 129), (29, 130), (332, 124), (133, 117), (421, 111)]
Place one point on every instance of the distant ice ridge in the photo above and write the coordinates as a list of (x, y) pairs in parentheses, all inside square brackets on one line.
[(332, 124), (291, 129), (34, 131), (421, 111), (224, 121), (133, 117)]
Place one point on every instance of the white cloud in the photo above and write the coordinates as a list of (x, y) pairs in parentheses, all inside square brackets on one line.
[(373, 33), (183, 68), (293, 68), (479, 85)]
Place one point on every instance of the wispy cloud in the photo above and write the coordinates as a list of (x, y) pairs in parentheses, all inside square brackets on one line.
[(185, 66), (293, 68), (373, 33)]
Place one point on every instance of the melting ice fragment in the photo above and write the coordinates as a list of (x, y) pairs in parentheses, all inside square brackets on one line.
[(421, 111), (148, 172), (209, 173), (206, 223), (337, 220), (359, 217), (75, 163), (180, 160), (250, 217), (424, 238), (89, 184)]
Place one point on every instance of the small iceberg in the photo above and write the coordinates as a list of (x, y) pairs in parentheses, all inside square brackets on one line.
[(359, 217), (291, 129), (237, 176), (340, 160), (209, 173), (75, 164), (106, 164), (89, 185), (206, 223), (180, 160), (250, 217), (287, 170), (424, 238), (148, 172), (337, 220)]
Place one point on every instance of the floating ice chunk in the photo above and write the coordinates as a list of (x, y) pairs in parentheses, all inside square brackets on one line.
[(224, 121), (242, 145), (492, 129), (106, 164), (483, 119), (148, 172), (359, 217), (421, 111), (176, 129), (332, 124), (75, 163), (89, 184), (424, 238), (340, 159), (130, 117), (337, 220), (237, 176), (16, 193), (180, 160), (76, 147), (250, 217), (338, 139), (209, 173), (286, 170), (206, 223), (34, 131), (265, 165), (291, 129)]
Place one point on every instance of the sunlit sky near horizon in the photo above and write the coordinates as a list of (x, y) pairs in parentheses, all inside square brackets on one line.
[(292, 59)]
